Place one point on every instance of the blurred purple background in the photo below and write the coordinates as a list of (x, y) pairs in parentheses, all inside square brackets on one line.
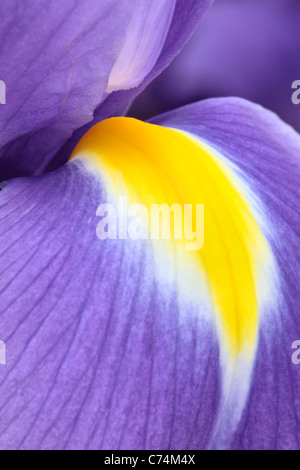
[(246, 48)]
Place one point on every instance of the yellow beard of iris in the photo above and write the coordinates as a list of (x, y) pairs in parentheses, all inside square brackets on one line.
[(159, 165)]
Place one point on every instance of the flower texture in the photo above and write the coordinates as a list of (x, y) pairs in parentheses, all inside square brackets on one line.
[(140, 343)]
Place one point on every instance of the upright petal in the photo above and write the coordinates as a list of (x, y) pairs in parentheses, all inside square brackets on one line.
[(59, 59), (56, 58), (186, 17), (100, 350)]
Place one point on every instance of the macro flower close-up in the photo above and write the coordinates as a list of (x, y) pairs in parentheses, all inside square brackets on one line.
[(149, 225)]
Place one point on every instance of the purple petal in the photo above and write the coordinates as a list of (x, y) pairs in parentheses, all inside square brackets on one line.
[(57, 59), (186, 17), (143, 45), (97, 356)]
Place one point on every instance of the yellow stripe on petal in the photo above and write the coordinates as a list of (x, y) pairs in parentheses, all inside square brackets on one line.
[(167, 166)]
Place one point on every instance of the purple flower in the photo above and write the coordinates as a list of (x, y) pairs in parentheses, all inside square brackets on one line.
[(118, 338)]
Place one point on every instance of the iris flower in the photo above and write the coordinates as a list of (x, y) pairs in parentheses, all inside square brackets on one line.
[(139, 344)]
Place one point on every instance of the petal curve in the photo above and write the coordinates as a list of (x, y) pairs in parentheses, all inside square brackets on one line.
[(67, 63), (266, 150)]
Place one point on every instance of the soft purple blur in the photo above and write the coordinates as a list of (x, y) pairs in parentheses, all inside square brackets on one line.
[(245, 48)]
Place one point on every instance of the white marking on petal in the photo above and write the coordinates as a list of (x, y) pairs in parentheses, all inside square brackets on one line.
[(144, 42)]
